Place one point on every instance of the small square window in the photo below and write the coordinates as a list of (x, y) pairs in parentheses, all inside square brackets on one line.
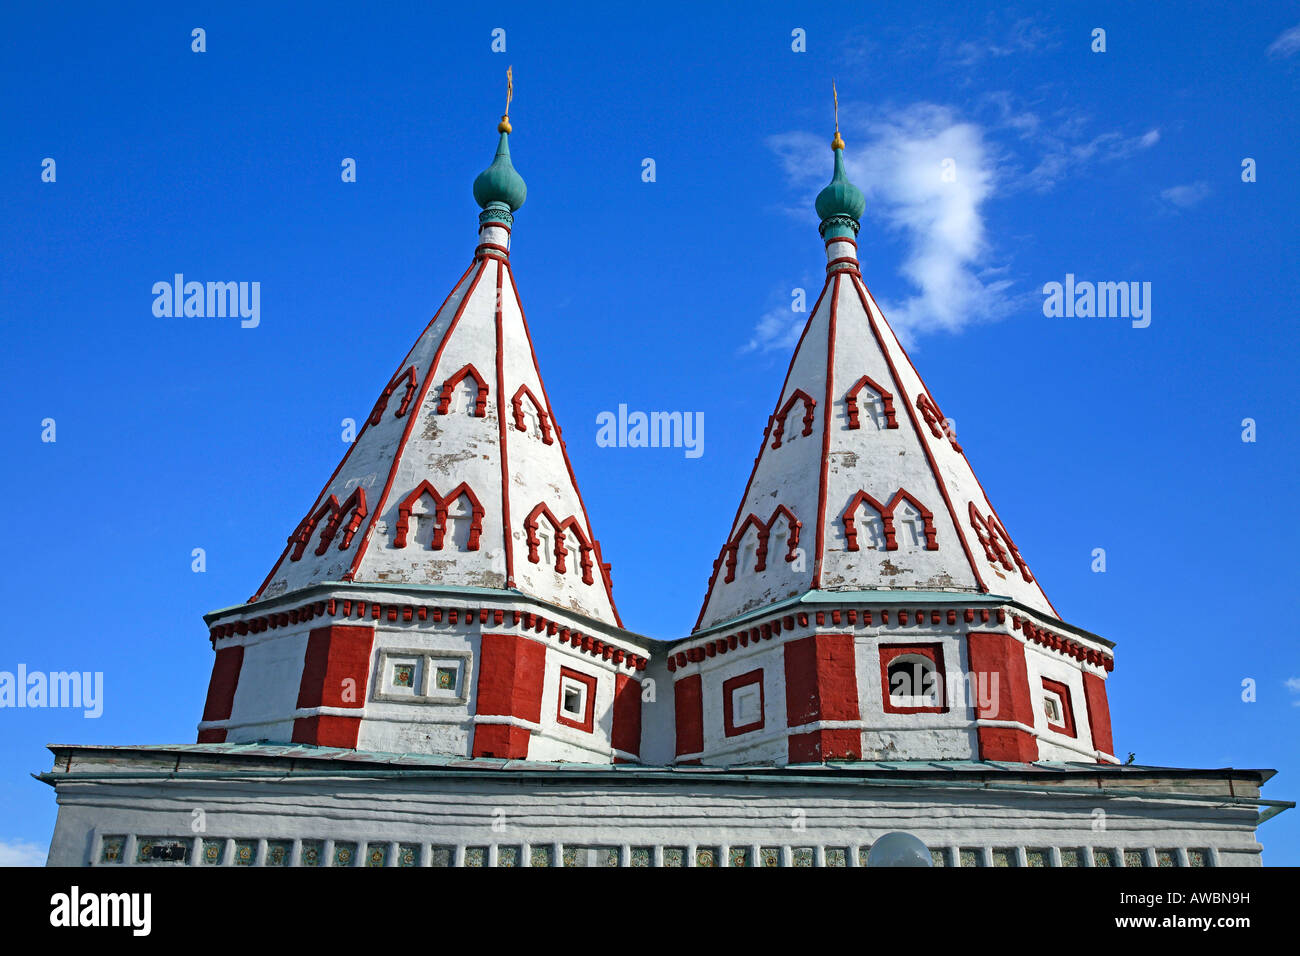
[(1052, 707), (112, 849), (345, 854), (742, 703), (413, 676), (404, 676), (278, 852), (1057, 709), (213, 852), (577, 700)]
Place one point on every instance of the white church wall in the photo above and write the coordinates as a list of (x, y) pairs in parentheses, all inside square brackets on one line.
[(832, 825)]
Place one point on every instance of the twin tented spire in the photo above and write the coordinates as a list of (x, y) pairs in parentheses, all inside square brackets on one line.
[(860, 484), (459, 478)]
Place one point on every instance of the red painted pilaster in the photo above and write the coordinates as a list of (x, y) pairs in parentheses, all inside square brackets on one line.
[(821, 683), (627, 715), (1003, 655), (221, 691), (511, 670), (335, 673), (1094, 693), (688, 709)]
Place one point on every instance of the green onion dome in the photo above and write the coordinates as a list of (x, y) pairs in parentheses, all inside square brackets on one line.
[(840, 197), (499, 183)]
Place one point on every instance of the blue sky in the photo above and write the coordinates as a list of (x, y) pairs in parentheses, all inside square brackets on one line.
[(174, 434)]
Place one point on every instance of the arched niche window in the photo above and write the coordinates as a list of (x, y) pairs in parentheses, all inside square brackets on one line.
[(872, 402), (913, 679), (436, 522), (460, 524), (794, 419), (464, 393), (910, 525), (528, 415), (867, 525)]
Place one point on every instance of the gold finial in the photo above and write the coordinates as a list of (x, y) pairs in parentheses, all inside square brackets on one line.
[(504, 125), (837, 142)]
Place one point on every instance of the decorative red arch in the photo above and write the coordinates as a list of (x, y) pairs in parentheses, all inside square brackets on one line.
[(886, 513), (301, 537), (409, 377), (851, 402), (778, 424), (764, 528), (480, 403), (561, 552), (851, 528), (441, 504), (516, 404), (931, 536), (934, 418), (988, 531)]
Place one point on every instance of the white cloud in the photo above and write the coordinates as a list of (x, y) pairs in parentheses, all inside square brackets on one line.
[(1023, 36), (900, 168), (22, 853), (1286, 44), (1185, 197), (897, 161), (778, 330), (1293, 684), (1061, 157)]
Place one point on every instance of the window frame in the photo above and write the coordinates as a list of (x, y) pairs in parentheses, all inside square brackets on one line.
[(729, 687), (930, 652), (588, 684)]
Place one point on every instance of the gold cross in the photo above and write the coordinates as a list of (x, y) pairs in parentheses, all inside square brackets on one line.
[(510, 88), (837, 142)]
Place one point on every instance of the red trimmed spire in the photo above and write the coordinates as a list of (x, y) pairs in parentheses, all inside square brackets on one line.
[(440, 486), (858, 453)]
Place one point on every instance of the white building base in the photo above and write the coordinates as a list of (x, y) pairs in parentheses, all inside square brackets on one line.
[(268, 805)]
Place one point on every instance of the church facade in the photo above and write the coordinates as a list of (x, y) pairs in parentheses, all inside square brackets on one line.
[(434, 671)]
